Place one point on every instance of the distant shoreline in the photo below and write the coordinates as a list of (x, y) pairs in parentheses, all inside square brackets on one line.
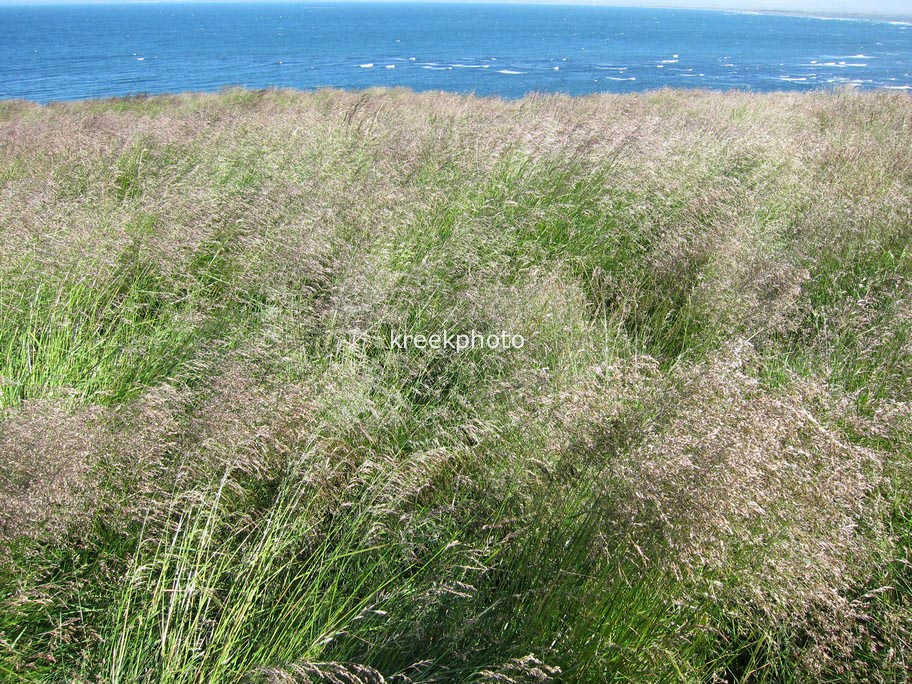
[(835, 15), (839, 16)]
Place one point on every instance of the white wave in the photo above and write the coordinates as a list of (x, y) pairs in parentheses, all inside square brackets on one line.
[(470, 66), (509, 72), (617, 78), (390, 66), (436, 68), (369, 65), (670, 61), (793, 79), (902, 87), (826, 18)]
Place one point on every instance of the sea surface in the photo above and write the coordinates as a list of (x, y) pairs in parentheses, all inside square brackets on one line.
[(69, 52)]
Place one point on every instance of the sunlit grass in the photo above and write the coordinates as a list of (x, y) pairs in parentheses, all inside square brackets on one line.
[(216, 469)]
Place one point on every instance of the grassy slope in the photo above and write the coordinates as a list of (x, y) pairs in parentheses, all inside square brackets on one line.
[(215, 468)]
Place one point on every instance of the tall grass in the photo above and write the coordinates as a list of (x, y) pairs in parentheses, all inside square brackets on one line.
[(217, 469), (209, 603)]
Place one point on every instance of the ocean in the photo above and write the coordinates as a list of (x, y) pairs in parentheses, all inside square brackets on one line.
[(66, 52)]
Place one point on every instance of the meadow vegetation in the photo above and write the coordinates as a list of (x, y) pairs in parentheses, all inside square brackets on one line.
[(215, 469)]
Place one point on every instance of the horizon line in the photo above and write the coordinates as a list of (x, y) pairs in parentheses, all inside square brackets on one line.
[(859, 15)]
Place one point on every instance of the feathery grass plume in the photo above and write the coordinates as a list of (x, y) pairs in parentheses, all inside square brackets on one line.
[(760, 500), (318, 673), (519, 671), (48, 484)]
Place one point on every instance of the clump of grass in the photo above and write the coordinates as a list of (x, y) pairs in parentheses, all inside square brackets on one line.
[(209, 602), (100, 340)]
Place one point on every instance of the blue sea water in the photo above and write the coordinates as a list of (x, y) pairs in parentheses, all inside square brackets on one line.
[(77, 51)]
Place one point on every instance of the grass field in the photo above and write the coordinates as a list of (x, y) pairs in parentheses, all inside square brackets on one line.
[(217, 469)]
